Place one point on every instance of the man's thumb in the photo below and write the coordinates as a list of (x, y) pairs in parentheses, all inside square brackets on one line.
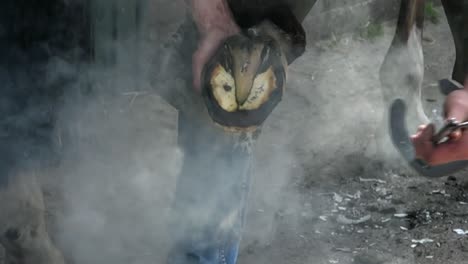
[(206, 49)]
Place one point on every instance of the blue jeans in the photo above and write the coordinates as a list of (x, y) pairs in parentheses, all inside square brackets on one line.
[(213, 185), (211, 195)]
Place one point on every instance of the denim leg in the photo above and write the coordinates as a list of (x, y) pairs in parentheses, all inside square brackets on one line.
[(211, 195), (213, 185)]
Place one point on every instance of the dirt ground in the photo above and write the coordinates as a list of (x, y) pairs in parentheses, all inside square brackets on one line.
[(351, 207), (322, 193)]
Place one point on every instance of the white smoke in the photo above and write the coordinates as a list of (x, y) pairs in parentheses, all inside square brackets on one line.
[(121, 159)]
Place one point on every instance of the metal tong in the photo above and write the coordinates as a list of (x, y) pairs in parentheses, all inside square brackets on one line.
[(451, 126)]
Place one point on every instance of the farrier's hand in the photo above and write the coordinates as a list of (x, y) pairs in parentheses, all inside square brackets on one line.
[(215, 23), (456, 106)]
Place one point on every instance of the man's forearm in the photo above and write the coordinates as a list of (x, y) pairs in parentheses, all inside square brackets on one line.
[(211, 15)]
